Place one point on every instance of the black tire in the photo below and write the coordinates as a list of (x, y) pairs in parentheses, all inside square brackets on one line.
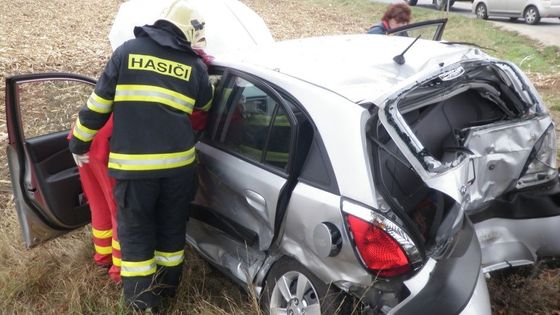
[(314, 296), (481, 11), (412, 2), (532, 15)]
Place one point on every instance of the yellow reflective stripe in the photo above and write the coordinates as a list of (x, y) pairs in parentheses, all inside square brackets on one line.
[(282, 121), (116, 245), (103, 250), (263, 120), (206, 107), (138, 268), (83, 133), (99, 104), (276, 156), (170, 259), (102, 233), (271, 156), (252, 153), (117, 261), (143, 162), (154, 94)]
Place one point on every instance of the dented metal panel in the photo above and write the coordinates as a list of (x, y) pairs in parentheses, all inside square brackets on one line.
[(500, 152)]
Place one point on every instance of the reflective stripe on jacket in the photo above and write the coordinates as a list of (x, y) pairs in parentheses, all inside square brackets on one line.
[(150, 85)]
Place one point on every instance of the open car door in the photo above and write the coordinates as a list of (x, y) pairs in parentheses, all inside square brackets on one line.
[(432, 29), (40, 109)]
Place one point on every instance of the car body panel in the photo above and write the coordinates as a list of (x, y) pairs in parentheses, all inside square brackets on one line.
[(305, 59), (241, 191), (459, 275), (500, 146), (300, 242), (509, 243), (45, 179)]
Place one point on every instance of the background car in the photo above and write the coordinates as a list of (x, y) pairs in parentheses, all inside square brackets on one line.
[(530, 10), (439, 4), (398, 185)]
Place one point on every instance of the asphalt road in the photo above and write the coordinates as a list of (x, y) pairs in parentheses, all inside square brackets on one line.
[(547, 32)]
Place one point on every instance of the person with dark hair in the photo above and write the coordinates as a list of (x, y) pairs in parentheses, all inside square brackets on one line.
[(397, 15)]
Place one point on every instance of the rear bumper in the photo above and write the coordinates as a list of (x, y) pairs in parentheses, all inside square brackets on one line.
[(448, 286)]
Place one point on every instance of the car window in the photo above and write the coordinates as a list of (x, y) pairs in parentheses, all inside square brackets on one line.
[(50, 106), (426, 32), (432, 30), (250, 122)]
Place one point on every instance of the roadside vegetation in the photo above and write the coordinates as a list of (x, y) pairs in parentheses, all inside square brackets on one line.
[(71, 36)]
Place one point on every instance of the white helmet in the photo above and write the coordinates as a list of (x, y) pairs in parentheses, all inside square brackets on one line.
[(181, 14)]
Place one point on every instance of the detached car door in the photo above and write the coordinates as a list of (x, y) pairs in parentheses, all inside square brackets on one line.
[(244, 159), (40, 109)]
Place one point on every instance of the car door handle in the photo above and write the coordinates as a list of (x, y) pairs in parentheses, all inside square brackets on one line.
[(255, 200)]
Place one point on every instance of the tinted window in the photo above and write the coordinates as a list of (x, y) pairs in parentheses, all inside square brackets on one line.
[(249, 121), (279, 141)]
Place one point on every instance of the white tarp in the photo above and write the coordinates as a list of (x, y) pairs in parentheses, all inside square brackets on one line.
[(230, 25)]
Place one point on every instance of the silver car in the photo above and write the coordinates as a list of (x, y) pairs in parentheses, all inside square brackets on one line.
[(384, 174), (530, 10)]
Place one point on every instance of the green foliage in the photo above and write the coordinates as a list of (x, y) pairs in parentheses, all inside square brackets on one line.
[(528, 54)]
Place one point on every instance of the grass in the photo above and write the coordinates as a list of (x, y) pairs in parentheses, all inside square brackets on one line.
[(526, 53), (60, 277), (536, 289)]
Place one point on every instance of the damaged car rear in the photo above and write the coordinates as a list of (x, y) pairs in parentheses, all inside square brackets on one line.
[(471, 142)]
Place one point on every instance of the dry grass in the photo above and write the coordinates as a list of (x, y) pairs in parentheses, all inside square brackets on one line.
[(60, 277)]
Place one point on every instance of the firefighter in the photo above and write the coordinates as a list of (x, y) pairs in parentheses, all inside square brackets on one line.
[(149, 85), (98, 189)]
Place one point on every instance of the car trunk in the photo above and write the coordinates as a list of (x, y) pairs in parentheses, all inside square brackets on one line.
[(456, 141)]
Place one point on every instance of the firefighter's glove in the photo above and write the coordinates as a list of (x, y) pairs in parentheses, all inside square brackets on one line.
[(81, 159)]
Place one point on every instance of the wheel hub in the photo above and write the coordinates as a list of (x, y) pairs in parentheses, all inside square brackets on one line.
[(295, 307)]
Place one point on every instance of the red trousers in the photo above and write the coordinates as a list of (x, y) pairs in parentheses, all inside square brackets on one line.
[(98, 188)]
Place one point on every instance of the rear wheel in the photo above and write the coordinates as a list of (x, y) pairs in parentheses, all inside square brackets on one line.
[(291, 289), (532, 15), (481, 11), (412, 2)]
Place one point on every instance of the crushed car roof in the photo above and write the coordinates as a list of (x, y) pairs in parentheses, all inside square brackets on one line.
[(358, 67)]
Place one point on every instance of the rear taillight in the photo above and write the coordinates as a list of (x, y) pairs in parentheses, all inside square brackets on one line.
[(384, 246), (379, 251)]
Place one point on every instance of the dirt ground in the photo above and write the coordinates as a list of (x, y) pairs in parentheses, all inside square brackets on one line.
[(71, 36)]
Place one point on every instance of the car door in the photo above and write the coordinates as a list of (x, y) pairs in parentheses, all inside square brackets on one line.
[(515, 7), (498, 6), (245, 158), (432, 29), (40, 109)]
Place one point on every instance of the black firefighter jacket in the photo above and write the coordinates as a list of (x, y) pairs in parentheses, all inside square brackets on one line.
[(150, 85)]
